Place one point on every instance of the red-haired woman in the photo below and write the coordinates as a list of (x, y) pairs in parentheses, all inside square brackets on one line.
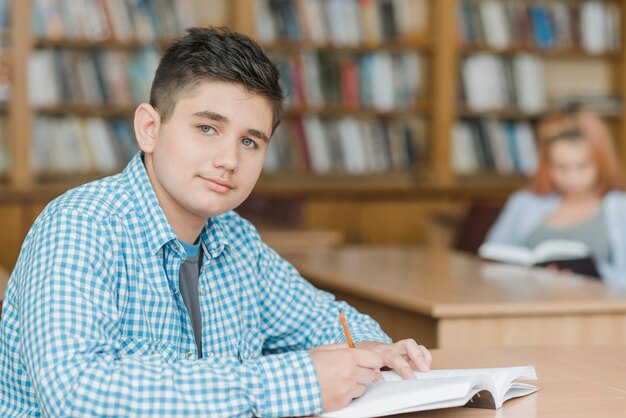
[(575, 194)]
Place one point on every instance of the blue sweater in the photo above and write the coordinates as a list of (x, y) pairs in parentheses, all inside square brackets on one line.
[(524, 212)]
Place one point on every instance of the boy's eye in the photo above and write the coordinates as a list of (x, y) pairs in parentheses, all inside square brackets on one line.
[(247, 142), (206, 129)]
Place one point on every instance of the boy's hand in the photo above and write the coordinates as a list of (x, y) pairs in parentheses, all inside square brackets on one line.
[(396, 356), (343, 373)]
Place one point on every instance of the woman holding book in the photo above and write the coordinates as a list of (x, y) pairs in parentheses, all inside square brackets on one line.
[(576, 193)]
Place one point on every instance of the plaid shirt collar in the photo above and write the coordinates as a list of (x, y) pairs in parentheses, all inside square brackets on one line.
[(157, 229)]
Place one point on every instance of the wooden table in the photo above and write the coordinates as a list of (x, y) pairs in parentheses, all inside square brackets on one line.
[(573, 381), (448, 299)]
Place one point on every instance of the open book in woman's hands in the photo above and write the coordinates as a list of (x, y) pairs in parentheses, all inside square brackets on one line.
[(564, 254), (481, 388)]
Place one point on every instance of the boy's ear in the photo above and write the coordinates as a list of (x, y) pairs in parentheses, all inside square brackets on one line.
[(147, 122)]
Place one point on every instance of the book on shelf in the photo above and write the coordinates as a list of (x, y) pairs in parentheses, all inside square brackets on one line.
[(485, 388), (104, 76), (73, 145), (122, 20), (491, 144), (464, 158), (564, 254), (593, 25), (346, 144), (317, 145), (492, 82), (378, 80), (599, 22), (495, 24), (529, 84), (100, 145), (484, 80), (496, 135), (340, 22)]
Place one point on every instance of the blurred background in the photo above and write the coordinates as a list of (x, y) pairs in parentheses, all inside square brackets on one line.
[(407, 121)]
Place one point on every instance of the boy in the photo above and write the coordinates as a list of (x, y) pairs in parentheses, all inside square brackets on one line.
[(144, 294)]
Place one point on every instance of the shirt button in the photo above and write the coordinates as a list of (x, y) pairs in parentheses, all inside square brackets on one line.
[(214, 247), (202, 290), (209, 354), (189, 355)]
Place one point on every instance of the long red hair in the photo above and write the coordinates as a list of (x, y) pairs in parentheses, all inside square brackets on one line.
[(577, 124)]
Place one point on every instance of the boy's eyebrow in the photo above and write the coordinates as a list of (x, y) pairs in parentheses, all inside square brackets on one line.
[(211, 115), (259, 134), (221, 118)]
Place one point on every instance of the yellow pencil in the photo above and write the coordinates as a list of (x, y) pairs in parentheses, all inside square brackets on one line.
[(346, 331)]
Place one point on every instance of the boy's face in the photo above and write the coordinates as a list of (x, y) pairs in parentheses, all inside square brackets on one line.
[(206, 159)]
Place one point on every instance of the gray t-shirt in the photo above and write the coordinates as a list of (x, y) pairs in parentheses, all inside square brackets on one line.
[(188, 284), (593, 233)]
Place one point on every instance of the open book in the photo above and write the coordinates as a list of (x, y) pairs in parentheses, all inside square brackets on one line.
[(565, 254), (481, 388)]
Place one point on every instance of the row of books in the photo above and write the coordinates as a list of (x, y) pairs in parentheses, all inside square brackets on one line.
[(593, 25), (102, 76), (487, 144), (340, 22), (345, 145), (72, 145), (492, 82), (123, 20), (378, 80)]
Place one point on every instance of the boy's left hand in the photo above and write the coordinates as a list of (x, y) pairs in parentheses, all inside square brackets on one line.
[(397, 355)]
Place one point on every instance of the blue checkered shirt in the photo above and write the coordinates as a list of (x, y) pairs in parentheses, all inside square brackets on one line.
[(93, 322)]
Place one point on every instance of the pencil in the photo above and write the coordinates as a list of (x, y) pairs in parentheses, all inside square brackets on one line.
[(346, 331)]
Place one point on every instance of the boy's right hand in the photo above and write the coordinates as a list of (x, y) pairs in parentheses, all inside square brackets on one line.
[(343, 373)]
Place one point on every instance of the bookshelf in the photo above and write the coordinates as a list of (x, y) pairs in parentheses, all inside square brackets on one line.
[(424, 40), (397, 199), (68, 80), (533, 57), (63, 34)]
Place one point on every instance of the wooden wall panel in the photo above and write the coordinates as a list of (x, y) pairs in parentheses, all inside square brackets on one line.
[(11, 235), (16, 218), (398, 221)]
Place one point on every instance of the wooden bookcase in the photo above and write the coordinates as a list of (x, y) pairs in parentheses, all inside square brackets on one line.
[(372, 208), (434, 106)]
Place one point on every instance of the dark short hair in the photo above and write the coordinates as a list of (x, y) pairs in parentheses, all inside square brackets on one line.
[(214, 54)]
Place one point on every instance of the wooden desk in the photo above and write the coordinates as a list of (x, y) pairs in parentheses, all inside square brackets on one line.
[(448, 299), (573, 381)]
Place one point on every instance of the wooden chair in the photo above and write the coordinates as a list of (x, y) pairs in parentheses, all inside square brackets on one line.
[(474, 225)]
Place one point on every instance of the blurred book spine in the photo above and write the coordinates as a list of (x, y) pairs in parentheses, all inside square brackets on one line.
[(488, 145), (74, 145), (346, 145), (339, 22), (119, 20), (593, 26)]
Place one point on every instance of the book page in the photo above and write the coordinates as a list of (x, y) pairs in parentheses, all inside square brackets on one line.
[(505, 253), (559, 249), (502, 377), (385, 398)]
